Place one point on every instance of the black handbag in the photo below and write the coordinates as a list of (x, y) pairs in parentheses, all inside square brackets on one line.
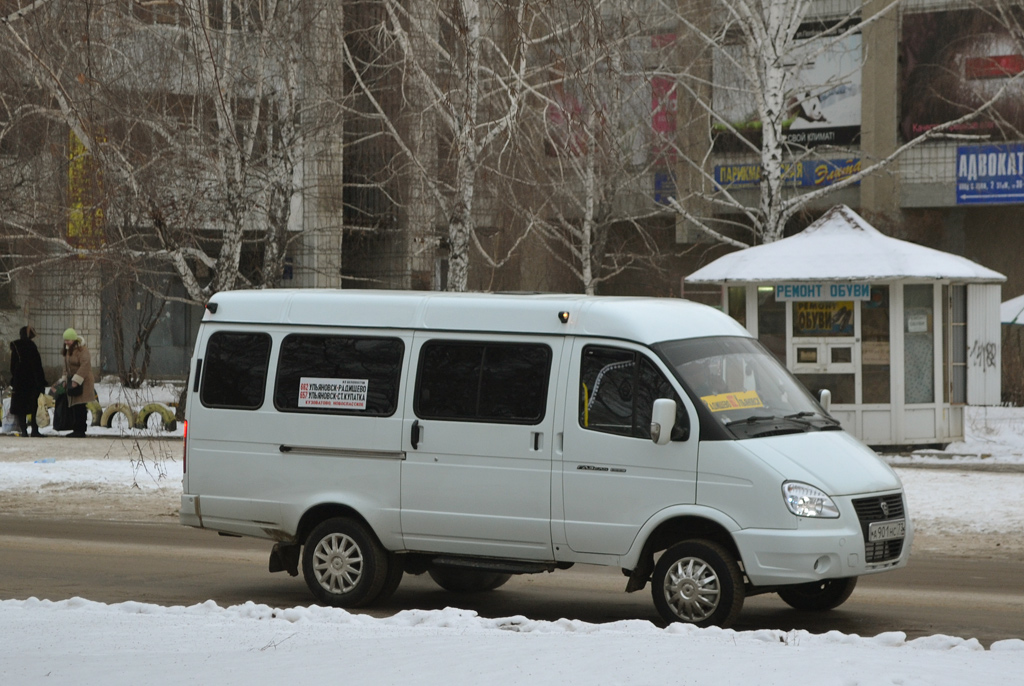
[(61, 413), (75, 391)]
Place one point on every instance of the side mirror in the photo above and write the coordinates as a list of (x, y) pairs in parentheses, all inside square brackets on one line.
[(663, 418), (825, 400)]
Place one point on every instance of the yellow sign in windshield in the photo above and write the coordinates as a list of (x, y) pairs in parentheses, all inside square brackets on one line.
[(732, 401)]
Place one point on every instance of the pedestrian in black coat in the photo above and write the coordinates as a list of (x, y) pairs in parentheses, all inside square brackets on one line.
[(27, 380)]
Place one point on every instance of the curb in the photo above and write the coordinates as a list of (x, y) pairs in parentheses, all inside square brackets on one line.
[(973, 466)]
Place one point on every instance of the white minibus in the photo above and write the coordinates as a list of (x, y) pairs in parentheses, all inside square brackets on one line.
[(371, 434)]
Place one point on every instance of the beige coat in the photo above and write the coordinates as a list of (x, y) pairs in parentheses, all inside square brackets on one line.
[(78, 368)]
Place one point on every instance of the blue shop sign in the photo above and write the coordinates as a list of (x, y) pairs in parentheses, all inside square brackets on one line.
[(990, 174), (664, 187), (822, 292)]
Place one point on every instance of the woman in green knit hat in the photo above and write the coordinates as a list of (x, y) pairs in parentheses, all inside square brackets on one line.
[(77, 380)]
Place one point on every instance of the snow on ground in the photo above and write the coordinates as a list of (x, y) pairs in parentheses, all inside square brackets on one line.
[(992, 435), (82, 642)]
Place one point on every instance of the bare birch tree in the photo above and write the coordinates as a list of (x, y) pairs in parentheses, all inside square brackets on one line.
[(764, 52), (193, 119), (458, 67), (589, 148)]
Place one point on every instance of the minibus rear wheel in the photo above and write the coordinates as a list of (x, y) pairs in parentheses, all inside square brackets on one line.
[(698, 582), (396, 570), (343, 563), (819, 596)]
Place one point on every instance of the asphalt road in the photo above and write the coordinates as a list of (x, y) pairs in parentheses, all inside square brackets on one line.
[(166, 564)]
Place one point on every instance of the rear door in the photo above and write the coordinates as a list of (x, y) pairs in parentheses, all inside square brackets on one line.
[(287, 420), (478, 435)]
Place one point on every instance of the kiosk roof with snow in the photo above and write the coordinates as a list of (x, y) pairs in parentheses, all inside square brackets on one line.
[(1012, 311), (841, 246)]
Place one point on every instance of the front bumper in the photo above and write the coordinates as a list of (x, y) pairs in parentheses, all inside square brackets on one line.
[(818, 549)]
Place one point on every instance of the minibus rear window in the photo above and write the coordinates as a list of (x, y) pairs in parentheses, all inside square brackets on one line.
[(483, 381), (235, 370), (339, 375)]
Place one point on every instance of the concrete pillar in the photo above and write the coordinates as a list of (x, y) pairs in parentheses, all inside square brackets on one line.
[(880, 193), (318, 211)]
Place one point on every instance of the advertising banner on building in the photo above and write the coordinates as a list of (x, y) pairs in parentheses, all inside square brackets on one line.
[(823, 92), (823, 319), (86, 203), (803, 174), (990, 174), (953, 62), (623, 105), (594, 105)]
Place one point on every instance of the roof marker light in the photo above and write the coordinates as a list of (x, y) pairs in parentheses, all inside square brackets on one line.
[(563, 317)]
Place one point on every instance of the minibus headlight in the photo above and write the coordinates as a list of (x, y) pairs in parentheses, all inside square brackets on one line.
[(804, 500)]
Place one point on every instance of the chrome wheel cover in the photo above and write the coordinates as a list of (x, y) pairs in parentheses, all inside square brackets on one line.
[(692, 589), (337, 563)]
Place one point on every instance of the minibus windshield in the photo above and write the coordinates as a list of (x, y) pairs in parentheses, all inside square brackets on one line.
[(744, 387)]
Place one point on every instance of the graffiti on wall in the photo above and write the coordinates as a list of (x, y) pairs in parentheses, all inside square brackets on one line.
[(983, 355)]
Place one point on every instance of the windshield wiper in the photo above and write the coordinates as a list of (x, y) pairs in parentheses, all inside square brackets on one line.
[(753, 419), (806, 413)]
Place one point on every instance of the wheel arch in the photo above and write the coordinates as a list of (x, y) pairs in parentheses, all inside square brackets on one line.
[(316, 514), (679, 526), (689, 527), (681, 523)]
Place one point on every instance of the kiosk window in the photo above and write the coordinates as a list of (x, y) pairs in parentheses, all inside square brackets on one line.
[(483, 381), (617, 393), (339, 375), (235, 370)]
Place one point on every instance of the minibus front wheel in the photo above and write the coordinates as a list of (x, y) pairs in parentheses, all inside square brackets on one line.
[(343, 564), (698, 582)]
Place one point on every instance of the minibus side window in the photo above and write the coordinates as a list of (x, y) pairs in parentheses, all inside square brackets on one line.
[(483, 381), (339, 375), (235, 370), (617, 392)]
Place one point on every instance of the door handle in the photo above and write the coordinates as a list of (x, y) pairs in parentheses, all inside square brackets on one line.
[(414, 439)]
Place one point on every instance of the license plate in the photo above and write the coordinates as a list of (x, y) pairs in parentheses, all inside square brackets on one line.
[(887, 531)]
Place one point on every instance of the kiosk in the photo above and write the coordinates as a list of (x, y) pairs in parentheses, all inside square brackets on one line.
[(901, 335)]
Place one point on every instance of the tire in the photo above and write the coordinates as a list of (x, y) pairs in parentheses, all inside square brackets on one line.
[(343, 564), (698, 582), (819, 596), (461, 580), (396, 570), (109, 416), (144, 418)]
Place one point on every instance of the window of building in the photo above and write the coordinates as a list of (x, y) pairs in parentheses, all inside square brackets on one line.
[(919, 344), (235, 370), (771, 322), (483, 381), (339, 374), (955, 390), (738, 303), (874, 351), (6, 285), (617, 392), (169, 12)]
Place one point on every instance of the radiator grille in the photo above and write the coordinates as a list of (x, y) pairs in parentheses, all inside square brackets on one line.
[(878, 509)]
